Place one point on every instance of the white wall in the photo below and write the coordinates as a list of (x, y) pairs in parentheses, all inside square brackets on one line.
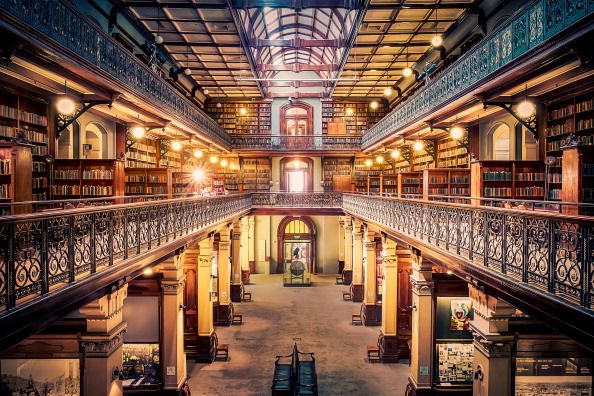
[(92, 122)]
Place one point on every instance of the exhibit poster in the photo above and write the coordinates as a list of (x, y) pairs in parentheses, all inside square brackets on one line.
[(141, 365), (454, 362), (460, 310), (452, 317), (553, 376), (55, 377)]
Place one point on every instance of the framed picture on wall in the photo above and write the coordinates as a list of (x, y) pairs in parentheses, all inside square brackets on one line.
[(141, 365), (40, 377)]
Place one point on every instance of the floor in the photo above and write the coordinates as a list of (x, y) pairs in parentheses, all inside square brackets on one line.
[(319, 320)]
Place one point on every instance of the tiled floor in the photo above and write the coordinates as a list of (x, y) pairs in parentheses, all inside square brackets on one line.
[(320, 321)]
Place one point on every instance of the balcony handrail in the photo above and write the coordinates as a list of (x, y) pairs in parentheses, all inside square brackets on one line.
[(533, 24)]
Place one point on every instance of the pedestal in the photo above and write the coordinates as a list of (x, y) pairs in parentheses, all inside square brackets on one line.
[(357, 293), (390, 349), (340, 266), (205, 349), (236, 293), (245, 276), (347, 276), (372, 315), (223, 314)]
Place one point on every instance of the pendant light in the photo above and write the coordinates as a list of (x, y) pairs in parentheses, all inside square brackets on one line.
[(158, 37), (526, 108), (436, 41), (65, 105), (407, 72), (187, 70), (395, 154)]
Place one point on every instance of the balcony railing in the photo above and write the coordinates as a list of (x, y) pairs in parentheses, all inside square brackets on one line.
[(308, 200), (536, 22), (550, 252), (285, 142), (59, 21)]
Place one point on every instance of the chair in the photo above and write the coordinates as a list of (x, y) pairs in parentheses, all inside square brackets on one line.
[(348, 295), (221, 350), (237, 319), (356, 317), (246, 296), (374, 353), (340, 279)]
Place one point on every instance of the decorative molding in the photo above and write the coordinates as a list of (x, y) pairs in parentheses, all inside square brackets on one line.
[(102, 346)]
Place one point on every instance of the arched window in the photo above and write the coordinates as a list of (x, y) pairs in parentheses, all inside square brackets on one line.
[(296, 119), (95, 141), (296, 174), (529, 146), (501, 138), (296, 241)]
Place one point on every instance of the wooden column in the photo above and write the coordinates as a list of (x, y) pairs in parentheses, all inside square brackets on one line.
[(493, 344), (389, 325), (102, 344), (244, 253), (236, 285), (251, 244), (357, 262), (348, 251), (423, 318), (205, 342), (224, 307), (340, 245), (173, 358), (371, 312)]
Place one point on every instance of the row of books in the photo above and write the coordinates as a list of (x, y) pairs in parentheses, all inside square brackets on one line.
[(141, 157), (33, 118), (5, 166), (452, 153), (562, 112), (140, 165), (585, 105), (530, 176), (555, 178), (66, 174), (39, 182), (497, 176), (104, 174), (145, 179), (40, 196), (459, 179), (585, 124), (460, 191), (144, 147), (38, 166), (460, 161), (39, 150), (146, 189), (4, 191), (555, 194), (560, 129), (532, 191), (497, 192), (410, 190), (8, 112)]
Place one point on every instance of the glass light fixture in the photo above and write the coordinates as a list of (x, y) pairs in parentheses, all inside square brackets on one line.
[(205, 91), (138, 131), (187, 71), (388, 91), (379, 159), (374, 105), (198, 153), (213, 159), (176, 145), (224, 163), (243, 111), (395, 153), (158, 39), (148, 271), (456, 132), (407, 72), (418, 145), (65, 105), (219, 105), (526, 109), (198, 175), (368, 163), (349, 111), (436, 40)]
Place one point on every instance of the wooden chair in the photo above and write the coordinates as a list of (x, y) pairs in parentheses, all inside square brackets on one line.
[(221, 350), (357, 317), (246, 296), (348, 295), (374, 353), (237, 319), (340, 279)]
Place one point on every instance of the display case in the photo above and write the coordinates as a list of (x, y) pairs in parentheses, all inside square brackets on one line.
[(296, 271)]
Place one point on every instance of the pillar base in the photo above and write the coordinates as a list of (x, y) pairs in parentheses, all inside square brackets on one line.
[(372, 315), (200, 348), (357, 293), (236, 292), (390, 349), (340, 266), (245, 276), (347, 277), (416, 391), (223, 314)]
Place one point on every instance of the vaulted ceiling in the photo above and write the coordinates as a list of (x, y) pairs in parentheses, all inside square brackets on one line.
[(270, 48)]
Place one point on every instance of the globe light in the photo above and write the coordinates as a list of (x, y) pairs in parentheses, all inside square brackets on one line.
[(158, 40), (243, 111), (395, 153), (436, 41), (224, 163), (176, 145), (349, 111), (388, 91), (418, 145), (148, 271), (65, 105), (526, 109), (219, 105), (456, 132), (373, 105), (198, 153), (205, 91), (379, 159), (213, 159), (187, 71), (198, 175), (407, 72), (138, 131), (368, 162)]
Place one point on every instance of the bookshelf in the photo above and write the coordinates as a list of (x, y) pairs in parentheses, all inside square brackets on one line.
[(446, 182), (422, 159), (578, 179), (142, 155), (390, 184), (87, 178), (508, 179), (257, 120), (410, 183), (573, 115), (256, 174), (226, 178), (336, 121), (362, 171), (171, 159), (15, 176), (337, 173), (452, 153), (148, 181), (183, 183)]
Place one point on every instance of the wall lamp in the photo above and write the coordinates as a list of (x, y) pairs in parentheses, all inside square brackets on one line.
[(137, 132), (455, 131), (69, 111), (524, 113)]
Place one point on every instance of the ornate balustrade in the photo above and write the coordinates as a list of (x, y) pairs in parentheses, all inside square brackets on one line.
[(536, 22), (59, 21), (286, 142), (46, 251), (312, 200), (553, 253)]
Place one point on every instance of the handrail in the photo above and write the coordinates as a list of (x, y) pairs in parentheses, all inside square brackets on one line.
[(528, 28), (291, 142)]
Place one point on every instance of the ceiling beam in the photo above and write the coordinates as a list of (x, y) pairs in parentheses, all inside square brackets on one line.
[(297, 67), (297, 84), (299, 4), (297, 95), (297, 43)]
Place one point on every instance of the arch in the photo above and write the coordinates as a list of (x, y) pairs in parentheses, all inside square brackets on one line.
[(499, 140), (64, 143), (97, 136), (296, 164), (529, 146), (300, 115), (287, 231)]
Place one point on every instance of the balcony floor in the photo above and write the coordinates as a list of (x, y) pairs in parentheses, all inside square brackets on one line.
[(316, 315)]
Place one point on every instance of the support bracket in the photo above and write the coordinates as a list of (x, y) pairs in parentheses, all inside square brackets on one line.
[(63, 121), (130, 140), (464, 141), (528, 123)]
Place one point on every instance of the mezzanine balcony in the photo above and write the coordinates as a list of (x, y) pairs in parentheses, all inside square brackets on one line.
[(348, 143)]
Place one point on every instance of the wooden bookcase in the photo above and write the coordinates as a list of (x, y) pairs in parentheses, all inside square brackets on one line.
[(508, 179), (227, 178), (257, 120), (578, 178), (337, 173), (256, 174), (183, 183), (336, 121), (389, 183), (410, 183), (149, 181), (15, 176), (142, 155), (452, 153), (446, 182), (172, 159), (361, 172), (87, 178), (422, 159)]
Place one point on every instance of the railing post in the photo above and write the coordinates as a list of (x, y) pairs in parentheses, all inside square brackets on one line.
[(10, 270), (503, 243), (71, 263), (93, 268), (585, 267), (485, 239), (552, 255), (125, 234), (44, 258), (525, 250), (110, 236)]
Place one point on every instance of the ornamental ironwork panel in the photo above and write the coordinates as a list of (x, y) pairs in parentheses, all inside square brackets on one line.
[(45, 251), (537, 21), (297, 200), (552, 253), (61, 22)]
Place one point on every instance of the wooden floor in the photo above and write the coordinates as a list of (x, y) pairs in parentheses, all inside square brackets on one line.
[(320, 321)]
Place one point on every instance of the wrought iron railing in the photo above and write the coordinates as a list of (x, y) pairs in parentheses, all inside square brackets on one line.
[(286, 142), (550, 252), (536, 22), (45, 251), (59, 21), (307, 200)]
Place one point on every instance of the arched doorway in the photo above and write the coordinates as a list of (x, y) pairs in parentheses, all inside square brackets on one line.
[(296, 174), (296, 238), (296, 124), (501, 142)]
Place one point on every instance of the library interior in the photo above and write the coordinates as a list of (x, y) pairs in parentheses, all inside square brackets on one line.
[(297, 197)]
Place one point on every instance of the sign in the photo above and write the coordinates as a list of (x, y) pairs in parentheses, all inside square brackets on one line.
[(170, 370)]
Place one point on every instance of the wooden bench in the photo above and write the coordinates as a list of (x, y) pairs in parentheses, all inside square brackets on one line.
[(221, 350), (340, 279), (374, 352), (305, 374), (283, 381)]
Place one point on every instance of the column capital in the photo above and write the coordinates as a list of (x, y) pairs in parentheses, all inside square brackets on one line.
[(172, 286), (103, 345), (422, 287), (493, 345), (390, 261)]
